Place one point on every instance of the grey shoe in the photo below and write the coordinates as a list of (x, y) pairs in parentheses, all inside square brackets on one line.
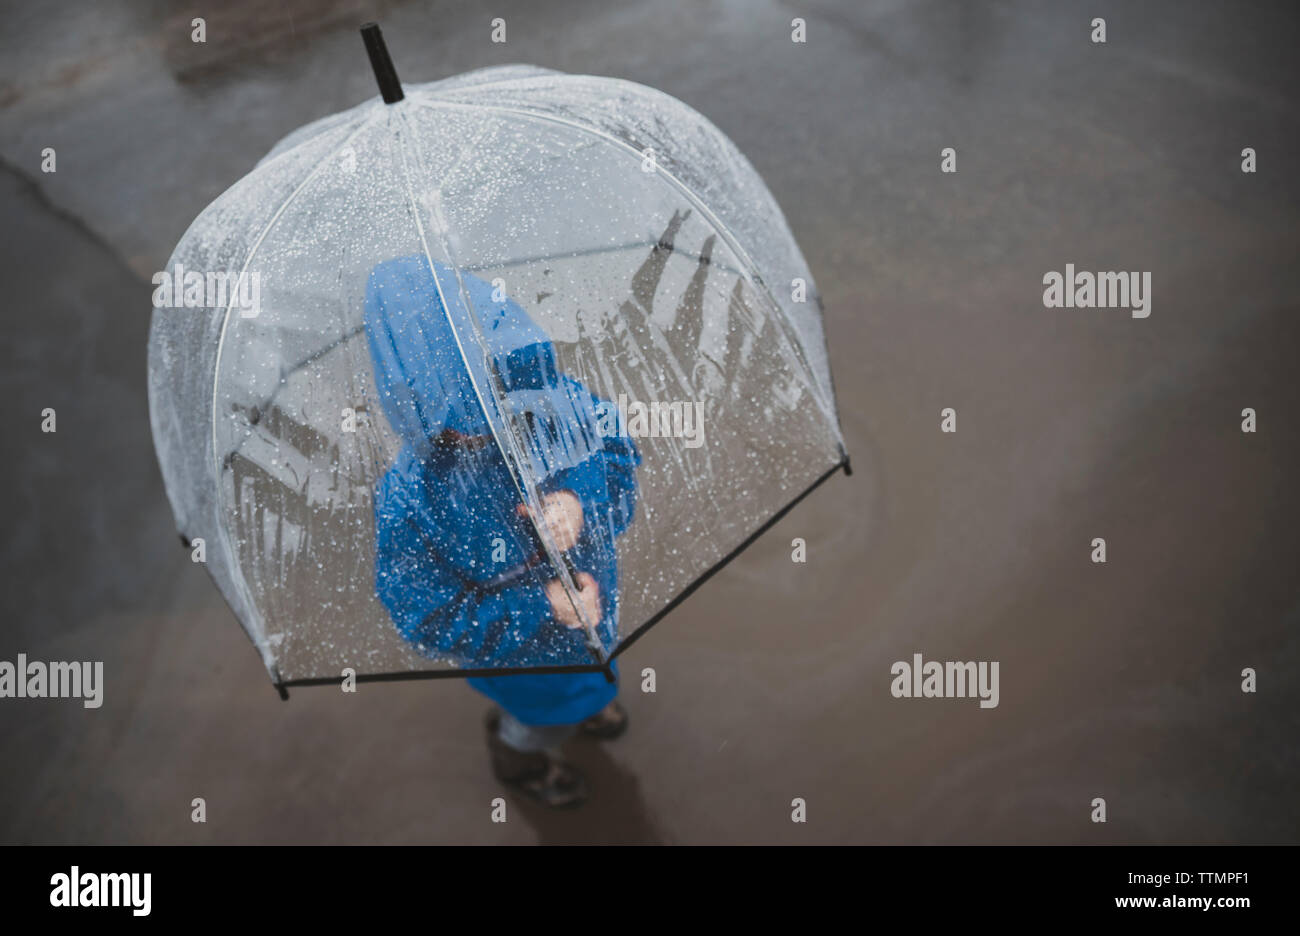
[(546, 779)]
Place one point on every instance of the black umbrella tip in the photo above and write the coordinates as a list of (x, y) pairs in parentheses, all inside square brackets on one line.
[(385, 73)]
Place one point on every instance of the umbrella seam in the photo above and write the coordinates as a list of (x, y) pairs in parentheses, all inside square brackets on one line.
[(513, 460), (216, 467)]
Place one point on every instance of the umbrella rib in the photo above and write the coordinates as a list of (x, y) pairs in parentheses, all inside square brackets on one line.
[(513, 460), (237, 572)]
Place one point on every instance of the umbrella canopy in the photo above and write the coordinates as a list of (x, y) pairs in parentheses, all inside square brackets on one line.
[(377, 359)]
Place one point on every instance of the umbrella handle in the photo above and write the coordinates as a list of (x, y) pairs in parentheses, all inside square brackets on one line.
[(593, 642), (568, 563), (570, 567)]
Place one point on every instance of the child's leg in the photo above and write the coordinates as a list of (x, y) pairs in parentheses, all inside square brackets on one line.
[(532, 738), (522, 756)]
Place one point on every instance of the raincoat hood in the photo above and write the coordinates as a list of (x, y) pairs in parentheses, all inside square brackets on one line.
[(425, 348)]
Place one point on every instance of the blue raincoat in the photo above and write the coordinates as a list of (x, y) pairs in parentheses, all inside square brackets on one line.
[(460, 571)]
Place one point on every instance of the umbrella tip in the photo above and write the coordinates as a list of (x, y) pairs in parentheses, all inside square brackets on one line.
[(385, 73)]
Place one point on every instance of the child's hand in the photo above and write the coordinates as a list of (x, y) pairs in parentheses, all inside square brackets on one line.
[(562, 517), (588, 600)]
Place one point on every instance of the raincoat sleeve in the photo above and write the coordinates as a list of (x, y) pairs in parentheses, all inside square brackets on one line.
[(441, 612), (605, 483)]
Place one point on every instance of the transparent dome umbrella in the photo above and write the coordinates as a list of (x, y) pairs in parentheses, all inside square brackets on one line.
[(484, 376)]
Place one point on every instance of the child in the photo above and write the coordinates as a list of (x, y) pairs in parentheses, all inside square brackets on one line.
[(458, 561)]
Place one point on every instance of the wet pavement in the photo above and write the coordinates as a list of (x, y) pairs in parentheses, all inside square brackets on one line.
[(1119, 680)]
